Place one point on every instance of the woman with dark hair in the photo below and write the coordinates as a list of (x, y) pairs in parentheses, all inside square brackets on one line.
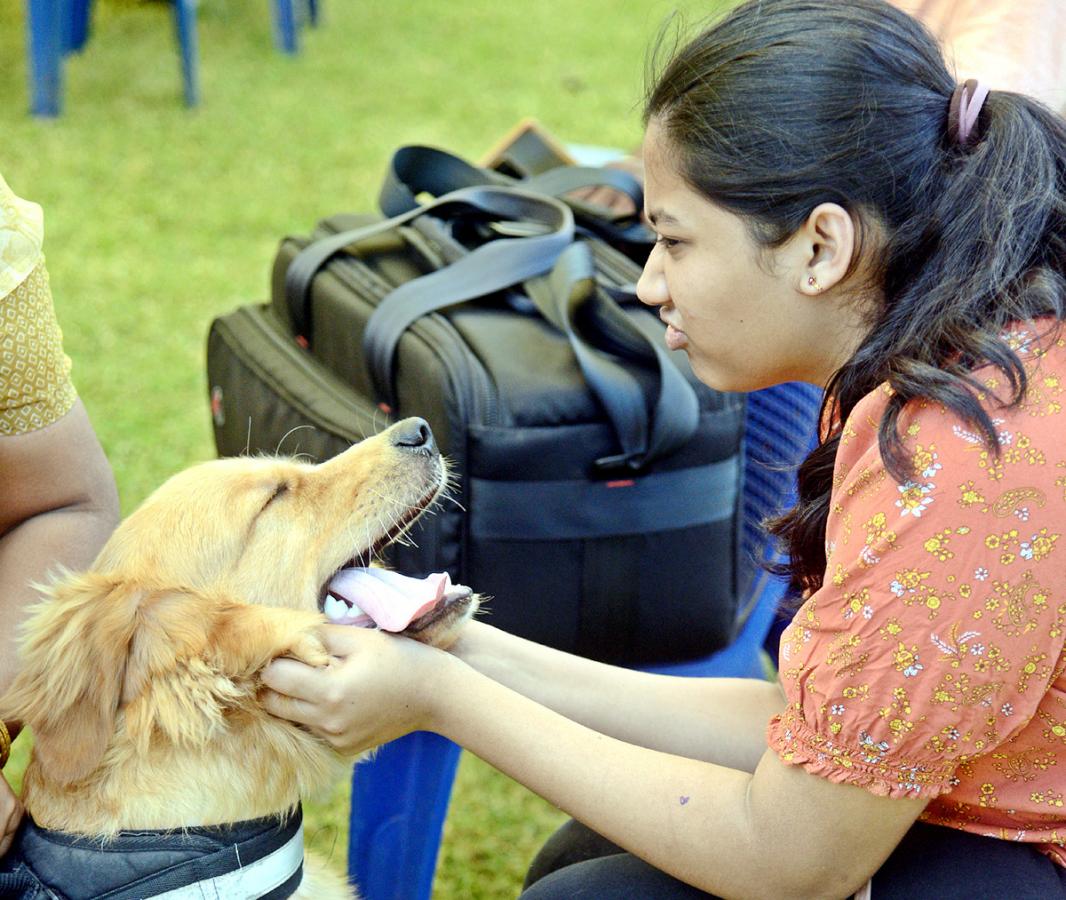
[(830, 207)]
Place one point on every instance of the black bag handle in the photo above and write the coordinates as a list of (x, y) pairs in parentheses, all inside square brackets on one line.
[(552, 218), (567, 293), (492, 267), (417, 169), (564, 295), (570, 298)]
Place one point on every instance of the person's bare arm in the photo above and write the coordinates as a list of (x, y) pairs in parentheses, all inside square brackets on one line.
[(57, 508), (720, 720), (777, 832)]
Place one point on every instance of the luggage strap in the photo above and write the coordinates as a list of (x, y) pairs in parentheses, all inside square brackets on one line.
[(417, 169), (569, 294)]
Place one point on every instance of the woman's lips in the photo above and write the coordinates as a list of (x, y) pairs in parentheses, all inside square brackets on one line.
[(675, 338)]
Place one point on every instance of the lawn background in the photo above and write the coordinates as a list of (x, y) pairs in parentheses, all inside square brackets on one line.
[(160, 218)]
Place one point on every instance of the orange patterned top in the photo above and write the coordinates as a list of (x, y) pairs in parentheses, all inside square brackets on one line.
[(930, 663)]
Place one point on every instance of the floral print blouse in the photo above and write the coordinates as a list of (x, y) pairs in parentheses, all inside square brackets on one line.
[(930, 663)]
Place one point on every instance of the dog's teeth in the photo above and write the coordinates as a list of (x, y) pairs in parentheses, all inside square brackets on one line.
[(334, 608), (337, 608)]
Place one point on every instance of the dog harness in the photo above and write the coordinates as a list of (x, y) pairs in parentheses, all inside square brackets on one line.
[(260, 859)]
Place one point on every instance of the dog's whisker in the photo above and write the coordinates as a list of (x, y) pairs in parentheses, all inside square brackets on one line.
[(448, 498), (285, 436)]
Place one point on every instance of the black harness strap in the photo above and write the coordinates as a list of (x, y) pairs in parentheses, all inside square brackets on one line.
[(137, 864)]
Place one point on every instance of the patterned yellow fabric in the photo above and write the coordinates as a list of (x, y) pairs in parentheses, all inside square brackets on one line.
[(931, 662), (21, 238), (35, 386)]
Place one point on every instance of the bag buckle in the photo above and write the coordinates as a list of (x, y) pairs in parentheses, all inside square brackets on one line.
[(620, 464)]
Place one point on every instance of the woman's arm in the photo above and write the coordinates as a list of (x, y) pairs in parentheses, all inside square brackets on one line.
[(779, 832), (720, 720), (57, 508)]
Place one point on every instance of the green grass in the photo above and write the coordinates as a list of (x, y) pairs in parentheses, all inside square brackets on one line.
[(159, 218)]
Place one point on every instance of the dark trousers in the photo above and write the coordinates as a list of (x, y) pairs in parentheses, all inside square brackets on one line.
[(930, 861)]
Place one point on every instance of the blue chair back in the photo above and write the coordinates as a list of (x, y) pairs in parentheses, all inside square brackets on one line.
[(59, 27), (400, 796)]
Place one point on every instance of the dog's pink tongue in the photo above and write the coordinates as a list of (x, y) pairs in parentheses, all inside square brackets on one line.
[(392, 600)]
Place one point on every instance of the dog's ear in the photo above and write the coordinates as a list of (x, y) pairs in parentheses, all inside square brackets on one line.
[(177, 662), (201, 657), (71, 668)]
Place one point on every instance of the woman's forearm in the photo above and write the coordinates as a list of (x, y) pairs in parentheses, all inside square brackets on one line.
[(720, 720), (689, 818)]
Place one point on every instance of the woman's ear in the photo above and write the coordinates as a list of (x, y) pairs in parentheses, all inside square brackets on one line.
[(826, 245)]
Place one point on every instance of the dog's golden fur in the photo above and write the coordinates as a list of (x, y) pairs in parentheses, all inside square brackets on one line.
[(139, 677)]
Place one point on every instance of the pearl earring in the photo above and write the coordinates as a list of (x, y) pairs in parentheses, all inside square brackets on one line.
[(813, 282)]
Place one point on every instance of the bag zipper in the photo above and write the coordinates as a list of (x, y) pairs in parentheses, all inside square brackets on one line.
[(292, 350)]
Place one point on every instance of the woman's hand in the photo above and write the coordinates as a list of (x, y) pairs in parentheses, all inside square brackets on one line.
[(377, 687), (10, 815)]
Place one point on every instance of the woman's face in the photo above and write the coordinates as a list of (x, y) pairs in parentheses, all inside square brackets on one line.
[(744, 314)]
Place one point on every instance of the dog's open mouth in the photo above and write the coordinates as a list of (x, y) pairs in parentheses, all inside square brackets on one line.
[(379, 598), (390, 601)]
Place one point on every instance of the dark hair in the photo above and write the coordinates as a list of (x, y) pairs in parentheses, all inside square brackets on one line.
[(785, 104)]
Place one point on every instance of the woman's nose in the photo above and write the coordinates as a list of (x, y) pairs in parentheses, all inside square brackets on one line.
[(651, 286)]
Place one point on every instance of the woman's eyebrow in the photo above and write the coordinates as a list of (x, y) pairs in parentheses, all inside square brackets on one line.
[(658, 216)]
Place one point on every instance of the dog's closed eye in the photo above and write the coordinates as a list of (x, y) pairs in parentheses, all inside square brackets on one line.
[(280, 490)]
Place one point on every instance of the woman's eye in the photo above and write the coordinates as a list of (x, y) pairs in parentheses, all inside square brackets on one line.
[(667, 242)]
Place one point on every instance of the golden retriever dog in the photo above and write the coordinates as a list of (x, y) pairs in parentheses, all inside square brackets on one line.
[(139, 677)]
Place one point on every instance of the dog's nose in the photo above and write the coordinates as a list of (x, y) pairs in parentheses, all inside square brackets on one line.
[(414, 434)]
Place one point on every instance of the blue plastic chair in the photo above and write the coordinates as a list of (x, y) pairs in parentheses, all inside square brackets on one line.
[(59, 27), (400, 797), (46, 41), (288, 17)]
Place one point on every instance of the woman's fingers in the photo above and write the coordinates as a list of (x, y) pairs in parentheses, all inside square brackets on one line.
[(344, 640), (10, 827), (372, 690), (286, 707), (294, 679)]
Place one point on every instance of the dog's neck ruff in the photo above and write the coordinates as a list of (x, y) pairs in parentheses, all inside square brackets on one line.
[(261, 859)]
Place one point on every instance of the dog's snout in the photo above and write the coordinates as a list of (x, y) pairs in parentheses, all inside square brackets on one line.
[(414, 434)]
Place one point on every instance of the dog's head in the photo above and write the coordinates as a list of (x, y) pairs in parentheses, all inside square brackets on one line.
[(225, 567)]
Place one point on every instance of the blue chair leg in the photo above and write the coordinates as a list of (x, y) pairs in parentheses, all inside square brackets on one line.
[(46, 55), (185, 24), (397, 816), (77, 25), (285, 26), (312, 12)]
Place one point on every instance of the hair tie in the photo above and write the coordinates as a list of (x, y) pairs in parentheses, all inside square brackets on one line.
[(965, 107)]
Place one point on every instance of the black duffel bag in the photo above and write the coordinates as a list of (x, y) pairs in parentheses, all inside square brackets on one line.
[(597, 479)]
